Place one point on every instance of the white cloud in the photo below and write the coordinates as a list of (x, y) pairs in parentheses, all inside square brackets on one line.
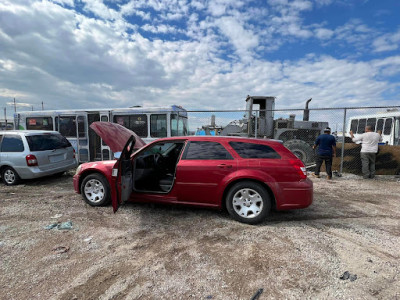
[(57, 55), (323, 33), (387, 42), (242, 39)]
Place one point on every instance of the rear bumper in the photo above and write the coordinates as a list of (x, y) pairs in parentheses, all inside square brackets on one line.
[(36, 172), (295, 195)]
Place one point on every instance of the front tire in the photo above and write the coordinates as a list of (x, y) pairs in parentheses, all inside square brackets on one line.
[(10, 176), (248, 202), (95, 190)]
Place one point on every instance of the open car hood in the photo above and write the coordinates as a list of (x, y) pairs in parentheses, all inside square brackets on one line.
[(116, 136)]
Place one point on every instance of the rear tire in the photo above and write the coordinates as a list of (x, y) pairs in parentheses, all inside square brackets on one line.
[(248, 202), (10, 176), (95, 190)]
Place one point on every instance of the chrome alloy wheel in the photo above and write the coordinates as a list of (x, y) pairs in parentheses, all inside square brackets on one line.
[(9, 176), (94, 190), (247, 203)]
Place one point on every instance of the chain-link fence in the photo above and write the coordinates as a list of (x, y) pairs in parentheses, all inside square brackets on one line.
[(298, 129)]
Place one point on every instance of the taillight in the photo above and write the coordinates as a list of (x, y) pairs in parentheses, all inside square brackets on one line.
[(300, 168), (31, 160), (74, 151)]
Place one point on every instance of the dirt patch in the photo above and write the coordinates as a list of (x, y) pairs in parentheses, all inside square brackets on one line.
[(170, 252)]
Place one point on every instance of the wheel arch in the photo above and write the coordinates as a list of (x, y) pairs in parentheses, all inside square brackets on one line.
[(6, 166), (263, 184)]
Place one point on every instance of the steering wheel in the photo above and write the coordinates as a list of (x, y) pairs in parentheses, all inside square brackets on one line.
[(159, 162)]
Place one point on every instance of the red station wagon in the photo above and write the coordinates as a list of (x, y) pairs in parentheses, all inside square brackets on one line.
[(247, 177)]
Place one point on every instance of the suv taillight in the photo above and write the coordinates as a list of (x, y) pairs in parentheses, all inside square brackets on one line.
[(300, 168), (74, 151), (31, 160)]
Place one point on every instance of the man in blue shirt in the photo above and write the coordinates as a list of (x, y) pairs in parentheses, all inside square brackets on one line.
[(326, 150)]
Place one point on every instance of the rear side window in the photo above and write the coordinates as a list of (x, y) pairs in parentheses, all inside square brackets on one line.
[(206, 151), (45, 142), (12, 143), (249, 150)]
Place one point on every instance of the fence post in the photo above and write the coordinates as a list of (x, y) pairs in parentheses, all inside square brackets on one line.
[(343, 141)]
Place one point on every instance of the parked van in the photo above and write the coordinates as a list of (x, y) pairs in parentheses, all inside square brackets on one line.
[(32, 154)]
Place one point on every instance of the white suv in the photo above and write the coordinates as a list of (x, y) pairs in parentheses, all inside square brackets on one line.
[(32, 154)]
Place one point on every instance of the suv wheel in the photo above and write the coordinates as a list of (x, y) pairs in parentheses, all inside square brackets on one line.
[(248, 202), (9, 176), (95, 190)]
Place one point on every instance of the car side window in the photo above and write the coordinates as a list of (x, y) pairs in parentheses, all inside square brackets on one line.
[(12, 143), (1, 137), (250, 150), (206, 151)]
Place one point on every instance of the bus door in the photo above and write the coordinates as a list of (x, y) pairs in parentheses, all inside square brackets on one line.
[(397, 132), (105, 150), (82, 138)]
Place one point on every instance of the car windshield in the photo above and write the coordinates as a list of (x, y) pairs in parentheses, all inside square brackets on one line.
[(45, 142)]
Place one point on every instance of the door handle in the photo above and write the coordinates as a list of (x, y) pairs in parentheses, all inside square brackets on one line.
[(223, 166)]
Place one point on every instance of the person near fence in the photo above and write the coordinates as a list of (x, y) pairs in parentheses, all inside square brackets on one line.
[(369, 148), (326, 144)]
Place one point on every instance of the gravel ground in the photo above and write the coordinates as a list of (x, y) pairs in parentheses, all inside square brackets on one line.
[(167, 252)]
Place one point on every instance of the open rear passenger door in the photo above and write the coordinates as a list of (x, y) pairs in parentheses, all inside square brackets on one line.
[(124, 182)]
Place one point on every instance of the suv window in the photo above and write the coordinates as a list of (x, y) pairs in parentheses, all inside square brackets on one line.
[(249, 150), (45, 142), (206, 150), (12, 143)]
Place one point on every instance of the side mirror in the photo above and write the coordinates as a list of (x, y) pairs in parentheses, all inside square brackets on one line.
[(117, 155)]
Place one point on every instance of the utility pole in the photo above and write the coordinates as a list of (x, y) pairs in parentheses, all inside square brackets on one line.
[(15, 106)]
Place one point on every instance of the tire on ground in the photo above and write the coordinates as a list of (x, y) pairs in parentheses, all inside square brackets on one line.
[(9, 176), (302, 150), (95, 190), (248, 202)]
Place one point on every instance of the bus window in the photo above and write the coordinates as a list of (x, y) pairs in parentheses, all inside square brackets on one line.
[(81, 126), (39, 123), (388, 127), (136, 123), (379, 125), (361, 125), (178, 125), (354, 125), (158, 125), (66, 125), (372, 122)]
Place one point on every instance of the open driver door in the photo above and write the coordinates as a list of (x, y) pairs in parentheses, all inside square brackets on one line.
[(124, 182)]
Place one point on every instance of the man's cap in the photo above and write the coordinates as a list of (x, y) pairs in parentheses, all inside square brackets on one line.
[(327, 129)]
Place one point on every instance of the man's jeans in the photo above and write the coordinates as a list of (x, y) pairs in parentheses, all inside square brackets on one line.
[(328, 164), (368, 164)]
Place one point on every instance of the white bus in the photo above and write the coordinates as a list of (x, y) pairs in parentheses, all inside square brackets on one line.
[(387, 122), (148, 123)]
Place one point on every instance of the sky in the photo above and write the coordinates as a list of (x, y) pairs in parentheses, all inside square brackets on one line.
[(201, 54)]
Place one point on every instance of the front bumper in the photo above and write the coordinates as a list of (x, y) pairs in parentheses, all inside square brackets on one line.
[(75, 180)]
